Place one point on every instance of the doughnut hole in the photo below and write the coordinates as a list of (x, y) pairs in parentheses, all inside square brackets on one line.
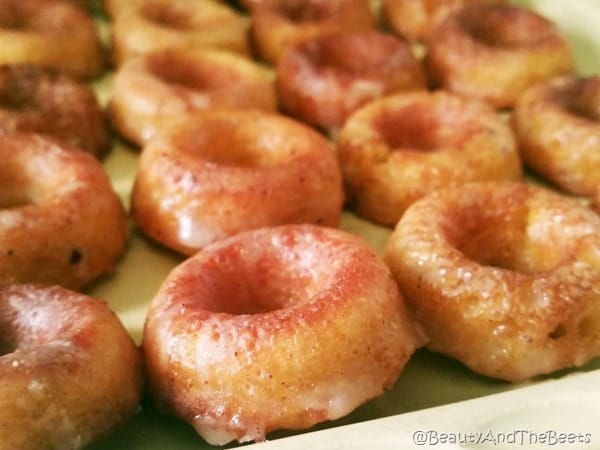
[(402, 128), (272, 281), (178, 69), (516, 235), (311, 11), (167, 15), (582, 99), (223, 142)]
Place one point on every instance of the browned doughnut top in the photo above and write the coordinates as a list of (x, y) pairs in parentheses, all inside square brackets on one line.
[(42, 101)]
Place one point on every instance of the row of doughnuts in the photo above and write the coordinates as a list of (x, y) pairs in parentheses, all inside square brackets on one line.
[(69, 370), (276, 277)]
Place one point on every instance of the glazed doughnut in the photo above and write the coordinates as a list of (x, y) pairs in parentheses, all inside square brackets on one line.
[(43, 101), (275, 328), (171, 82), (494, 52), (277, 25), (156, 24), (50, 33), (415, 20), (221, 172), (396, 149), (60, 220), (69, 372), (504, 277), (558, 128), (323, 80)]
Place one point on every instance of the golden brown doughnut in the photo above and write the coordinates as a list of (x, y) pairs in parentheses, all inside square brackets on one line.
[(220, 172), (157, 24), (416, 19), (494, 52), (275, 328), (43, 101), (50, 33), (558, 128), (396, 149), (323, 80), (276, 25), (504, 277), (149, 90), (60, 220), (69, 372)]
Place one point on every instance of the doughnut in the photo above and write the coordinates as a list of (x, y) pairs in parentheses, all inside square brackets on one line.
[(220, 172), (50, 33), (416, 20), (394, 150), (557, 124), (156, 24), (170, 82), (504, 277), (275, 328), (60, 220), (34, 99), (494, 52), (323, 80), (277, 25), (69, 372)]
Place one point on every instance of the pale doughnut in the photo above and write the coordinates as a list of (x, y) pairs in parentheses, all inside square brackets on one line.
[(394, 150), (157, 24), (69, 372), (558, 128), (50, 33), (504, 277), (275, 328), (149, 90), (494, 52)]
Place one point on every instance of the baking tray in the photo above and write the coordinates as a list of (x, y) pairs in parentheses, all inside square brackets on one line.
[(436, 401)]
